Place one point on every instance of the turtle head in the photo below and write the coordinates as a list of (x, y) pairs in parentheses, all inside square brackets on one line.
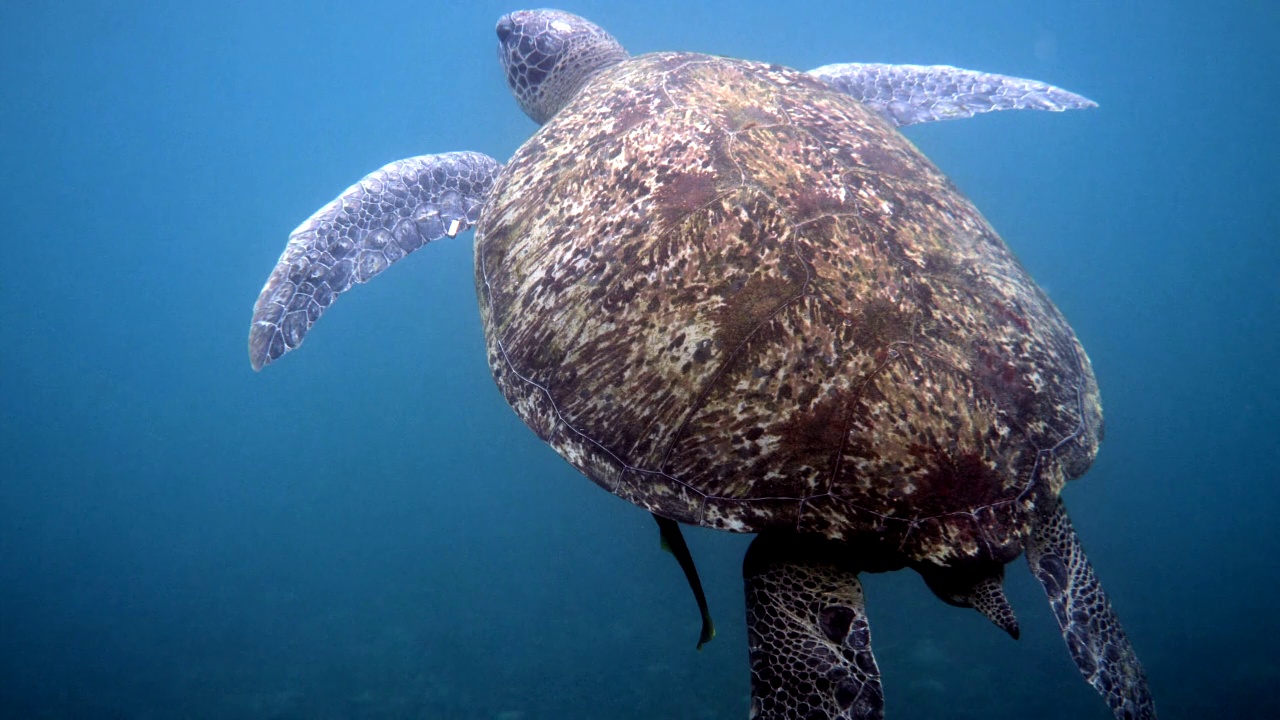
[(549, 55)]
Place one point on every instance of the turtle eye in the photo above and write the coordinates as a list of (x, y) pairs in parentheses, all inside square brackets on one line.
[(548, 55), (505, 28)]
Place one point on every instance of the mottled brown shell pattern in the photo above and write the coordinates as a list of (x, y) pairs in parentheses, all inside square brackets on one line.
[(739, 299)]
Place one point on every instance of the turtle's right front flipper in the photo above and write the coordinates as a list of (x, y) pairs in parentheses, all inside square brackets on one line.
[(810, 645), (911, 94), (387, 215)]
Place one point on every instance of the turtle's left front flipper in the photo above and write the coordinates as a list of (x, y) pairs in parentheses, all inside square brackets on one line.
[(391, 212), (810, 645), (911, 94), (1090, 627)]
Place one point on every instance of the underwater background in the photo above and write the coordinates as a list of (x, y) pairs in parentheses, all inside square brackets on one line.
[(366, 530)]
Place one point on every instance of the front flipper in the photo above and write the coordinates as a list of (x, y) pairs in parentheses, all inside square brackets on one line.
[(1094, 637), (810, 645), (387, 215), (673, 542), (911, 94)]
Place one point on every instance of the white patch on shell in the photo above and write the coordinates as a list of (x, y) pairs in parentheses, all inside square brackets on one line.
[(620, 161), (722, 520), (1037, 382), (562, 26)]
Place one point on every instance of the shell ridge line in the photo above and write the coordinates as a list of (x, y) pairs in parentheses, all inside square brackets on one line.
[(733, 354), (700, 399), (923, 353), (1077, 432), (711, 382), (630, 268), (838, 461), (682, 219), (623, 466)]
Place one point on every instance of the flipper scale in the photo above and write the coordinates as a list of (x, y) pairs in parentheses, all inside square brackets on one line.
[(911, 94), (1089, 625), (373, 224), (810, 645)]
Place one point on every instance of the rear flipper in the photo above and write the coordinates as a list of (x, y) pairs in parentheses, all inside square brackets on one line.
[(673, 542), (980, 588), (1090, 627), (810, 645)]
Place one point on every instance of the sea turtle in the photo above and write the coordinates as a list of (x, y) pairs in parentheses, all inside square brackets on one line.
[(733, 294)]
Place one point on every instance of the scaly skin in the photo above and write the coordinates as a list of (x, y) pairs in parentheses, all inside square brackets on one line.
[(807, 634), (1089, 625)]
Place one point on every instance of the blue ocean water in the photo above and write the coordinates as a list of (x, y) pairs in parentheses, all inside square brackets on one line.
[(366, 530)]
